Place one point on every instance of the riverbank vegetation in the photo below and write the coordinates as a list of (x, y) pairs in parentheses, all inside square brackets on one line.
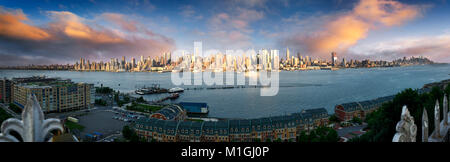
[(4, 115), (15, 108), (320, 134), (103, 90), (121, 99), (130, 135), (100, 102), (382, 123), (72, 126), (143, 107)]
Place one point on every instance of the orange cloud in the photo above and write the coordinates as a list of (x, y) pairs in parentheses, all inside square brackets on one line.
[(386, 12), (12, 26), (340, 34), (72, 26), (120, 20), (68, 37), (346, 29)]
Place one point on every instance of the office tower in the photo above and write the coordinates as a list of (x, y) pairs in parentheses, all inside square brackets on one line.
[(333, 58), (287, 55)]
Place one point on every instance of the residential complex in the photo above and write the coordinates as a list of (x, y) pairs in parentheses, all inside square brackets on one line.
[(285, 128), (5, 90), (53, 94), (348, 111)]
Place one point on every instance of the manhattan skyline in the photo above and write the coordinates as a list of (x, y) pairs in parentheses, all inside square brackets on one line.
[(59, 32)]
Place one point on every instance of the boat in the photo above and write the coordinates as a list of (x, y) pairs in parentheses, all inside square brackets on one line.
[(144, 91), (151, 90), (174, 96), (176, 89)]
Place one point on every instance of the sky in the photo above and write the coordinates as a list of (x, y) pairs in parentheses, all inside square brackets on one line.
[(63, 31)]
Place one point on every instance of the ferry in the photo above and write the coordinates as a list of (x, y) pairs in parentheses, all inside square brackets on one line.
[(143, 91), (152, 90), (176, 89)]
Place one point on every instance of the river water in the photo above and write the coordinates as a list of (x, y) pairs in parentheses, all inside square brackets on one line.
[(298, 89)]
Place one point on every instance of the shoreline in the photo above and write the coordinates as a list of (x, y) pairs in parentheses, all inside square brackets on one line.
[(375, 105), (314, 68)]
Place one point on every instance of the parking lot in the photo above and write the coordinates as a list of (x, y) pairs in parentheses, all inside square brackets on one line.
[(100, 121)]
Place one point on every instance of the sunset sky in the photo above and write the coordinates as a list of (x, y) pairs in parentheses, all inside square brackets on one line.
[(54, 31)]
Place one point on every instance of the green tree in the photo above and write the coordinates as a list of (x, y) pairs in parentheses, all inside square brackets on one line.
[(381, 123), (356, 120), (4, 115), (15, 108), (320, 134), (334, 119), (303, 137), (127, 132), (140, 100)]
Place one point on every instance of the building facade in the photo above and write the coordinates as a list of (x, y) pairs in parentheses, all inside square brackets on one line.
[(284, 128), (348, 111), (5, 90), (57, 96)]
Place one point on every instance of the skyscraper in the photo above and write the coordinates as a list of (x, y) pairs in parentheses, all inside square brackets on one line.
[(287, 55), (333, 58)]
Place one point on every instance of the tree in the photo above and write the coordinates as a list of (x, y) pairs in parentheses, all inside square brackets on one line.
[(320, 134), (103, 90), (127, 132), (382, 123), (334, 119), (356, 120), (447, 90), (303, 137), (140, 100), (15, 108)]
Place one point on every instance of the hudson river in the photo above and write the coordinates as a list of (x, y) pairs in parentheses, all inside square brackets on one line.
[(298, 89)]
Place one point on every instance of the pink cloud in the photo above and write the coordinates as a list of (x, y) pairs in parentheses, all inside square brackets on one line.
[(68, 37), (344, 30)]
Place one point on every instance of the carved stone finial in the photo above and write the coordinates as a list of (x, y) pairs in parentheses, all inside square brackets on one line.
[(424, 126), (445, 110), (437, 121), (406, 129), (33, 127)]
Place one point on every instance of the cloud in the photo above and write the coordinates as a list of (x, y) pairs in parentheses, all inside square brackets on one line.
[(120, 19), (72, 26), (67, 37), (340, 32), (233, 29), (12, 26), (434, 47), (189, 13)]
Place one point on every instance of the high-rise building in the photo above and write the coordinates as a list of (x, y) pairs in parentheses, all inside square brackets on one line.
[(133, 62), (344, 63), (5, 90), (55, 96), (333, 58), (287, 55)]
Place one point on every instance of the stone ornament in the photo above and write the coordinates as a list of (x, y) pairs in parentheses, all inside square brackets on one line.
[(406, 129), (437, 121), (445, 115), (424, 126), (33, 127)]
